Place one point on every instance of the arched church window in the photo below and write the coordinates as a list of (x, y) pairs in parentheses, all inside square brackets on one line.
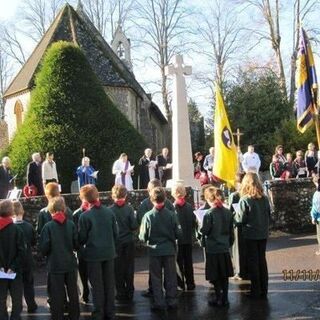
[(18, 109), (120, 50)]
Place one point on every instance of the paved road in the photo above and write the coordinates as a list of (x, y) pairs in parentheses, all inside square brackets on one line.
[(287, 299)]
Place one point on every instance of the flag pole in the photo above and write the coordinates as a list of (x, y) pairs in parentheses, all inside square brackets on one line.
[(315, 103)]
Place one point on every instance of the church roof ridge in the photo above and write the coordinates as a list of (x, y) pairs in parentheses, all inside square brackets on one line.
[(25, 77)]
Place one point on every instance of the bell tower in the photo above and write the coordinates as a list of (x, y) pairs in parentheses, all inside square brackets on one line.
[(121, 46)]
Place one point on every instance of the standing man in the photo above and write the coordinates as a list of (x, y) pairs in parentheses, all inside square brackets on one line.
[(34, 173), (148, 171), (251, 161), (208, 163), (86, 174), (5, 177), (164, 166), (49, 170)]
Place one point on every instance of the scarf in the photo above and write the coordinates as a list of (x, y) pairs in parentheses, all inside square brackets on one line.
[(217, 204), (85, 206), (180, 202), (123, 176), (5, 221), (120, 202), (95, 204), (59, 217), (159, 206)]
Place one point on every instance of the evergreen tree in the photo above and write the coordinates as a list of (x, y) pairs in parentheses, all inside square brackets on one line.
[(68, 111), (196, 127)]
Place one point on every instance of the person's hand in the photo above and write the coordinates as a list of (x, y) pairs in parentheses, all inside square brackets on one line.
[(313, 221), (10, 271), (2, 269)]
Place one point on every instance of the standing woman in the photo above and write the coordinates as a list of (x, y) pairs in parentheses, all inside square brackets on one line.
[(311, 159), (5, 177), (147, 166), (123, 170), (49, 170), (279, 154), (254, 215)]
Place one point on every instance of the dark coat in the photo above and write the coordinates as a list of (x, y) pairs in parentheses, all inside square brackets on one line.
[(144, 172), (5, 183), (164, 174), (34, 176)]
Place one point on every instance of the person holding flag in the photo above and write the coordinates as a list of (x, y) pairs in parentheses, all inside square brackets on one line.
[(225, 164), (307, 87)]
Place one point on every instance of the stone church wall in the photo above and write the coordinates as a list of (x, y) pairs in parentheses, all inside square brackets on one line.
[(4, 137)]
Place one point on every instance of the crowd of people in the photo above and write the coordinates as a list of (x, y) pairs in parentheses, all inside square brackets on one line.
[(98, 242), (285, 167)]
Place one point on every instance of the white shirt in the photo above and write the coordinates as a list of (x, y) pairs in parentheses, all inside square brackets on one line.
[(251, 162), (49, 170)]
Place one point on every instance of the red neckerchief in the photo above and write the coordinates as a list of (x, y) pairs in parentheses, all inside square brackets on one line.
[(159, 206), (60, 217), (5, 221), (217, 204), (120, 202), (180, 202), (85, 206), (95, 204)]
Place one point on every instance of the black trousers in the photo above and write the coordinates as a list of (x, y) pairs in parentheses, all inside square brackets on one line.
[(101, 277), (185, 264), (59, 282), (257, 264), (221, 287), (15, 289), (28, 288), (163, 266), (124, 270), (83, 273)]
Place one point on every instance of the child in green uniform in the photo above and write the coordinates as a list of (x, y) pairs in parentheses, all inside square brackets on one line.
[(160, 230), (124, 263), (218, 230), (12, 252), (82, 264), (58, 241), (28, 264), (254, 216), (145, 206), (98, 232), (188, 222)]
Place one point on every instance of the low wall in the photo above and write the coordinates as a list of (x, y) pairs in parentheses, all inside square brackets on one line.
[(32, 206), (291, 204)]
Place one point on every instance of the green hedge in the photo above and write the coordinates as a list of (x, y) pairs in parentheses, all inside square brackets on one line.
[(68, 111)]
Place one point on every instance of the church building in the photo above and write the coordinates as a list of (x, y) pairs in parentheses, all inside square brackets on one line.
[(112, 65)]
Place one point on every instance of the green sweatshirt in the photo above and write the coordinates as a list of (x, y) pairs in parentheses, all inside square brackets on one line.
[(127, 223), (217, 228), (160, 229), (58, 242), (98, 232), (146, 205), (45, 216), (188, 223), (12, 248), (30, 241), (254, 216)]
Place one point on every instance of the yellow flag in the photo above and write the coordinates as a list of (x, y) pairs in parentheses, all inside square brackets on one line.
[(225, 163)]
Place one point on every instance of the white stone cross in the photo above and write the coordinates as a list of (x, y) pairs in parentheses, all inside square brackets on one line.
[(182, 169)]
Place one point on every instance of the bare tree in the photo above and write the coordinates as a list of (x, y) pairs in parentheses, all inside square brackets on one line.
[(301, 11), (270, 11), (4, 78), (37, 16), (105, 13), (161, 24), (220, 31), (11, 44)]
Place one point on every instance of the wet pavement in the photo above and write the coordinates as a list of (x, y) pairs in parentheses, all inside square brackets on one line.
[(296, 298)]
